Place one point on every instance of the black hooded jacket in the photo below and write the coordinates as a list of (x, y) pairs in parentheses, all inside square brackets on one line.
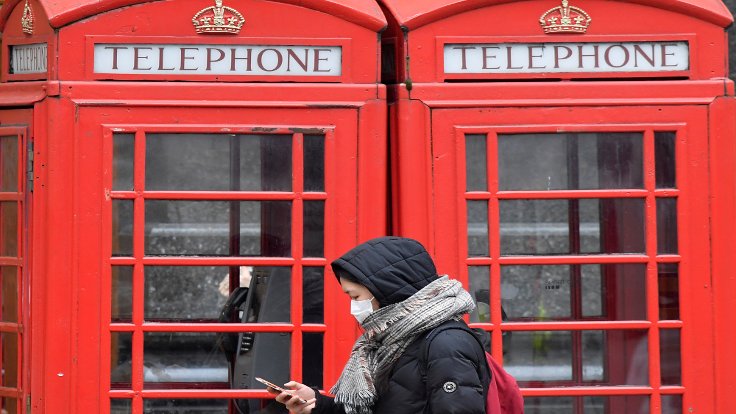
[(455, 378)]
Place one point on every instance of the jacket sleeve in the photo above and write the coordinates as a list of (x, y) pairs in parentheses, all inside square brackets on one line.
[(454, 384), (326, 405)]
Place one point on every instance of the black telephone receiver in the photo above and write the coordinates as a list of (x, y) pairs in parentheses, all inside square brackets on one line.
[(232, 311)]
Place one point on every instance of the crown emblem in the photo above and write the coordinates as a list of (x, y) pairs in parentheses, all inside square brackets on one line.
[(26, 20), (218, 19), (565, 19)]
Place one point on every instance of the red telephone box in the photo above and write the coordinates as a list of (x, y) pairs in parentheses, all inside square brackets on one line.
[(572, 163), (193, 165)]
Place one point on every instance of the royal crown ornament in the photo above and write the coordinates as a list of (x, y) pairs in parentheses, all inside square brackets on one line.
[(26, 20), (218, 19), (565, 19)]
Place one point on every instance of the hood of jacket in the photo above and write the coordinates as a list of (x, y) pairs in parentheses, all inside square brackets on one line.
[(392, 268)]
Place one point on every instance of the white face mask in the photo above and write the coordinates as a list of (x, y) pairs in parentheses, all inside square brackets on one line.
[(360, 309)]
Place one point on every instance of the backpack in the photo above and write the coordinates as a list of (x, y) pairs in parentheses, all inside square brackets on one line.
[(503, 395)]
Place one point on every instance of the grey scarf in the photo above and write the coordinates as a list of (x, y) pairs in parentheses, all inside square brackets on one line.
[(388, 332)]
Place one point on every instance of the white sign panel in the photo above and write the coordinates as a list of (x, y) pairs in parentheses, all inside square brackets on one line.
[(496, 58), (196, 59), (26, 59)]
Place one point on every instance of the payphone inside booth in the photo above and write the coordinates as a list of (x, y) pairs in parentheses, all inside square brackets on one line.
[(198, 165), (555, 157)]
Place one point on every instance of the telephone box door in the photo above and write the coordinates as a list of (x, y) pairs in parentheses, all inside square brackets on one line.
[(577, 231), (216, 229)]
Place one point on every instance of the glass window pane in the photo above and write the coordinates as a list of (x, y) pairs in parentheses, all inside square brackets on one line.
[(669, 352), (542, 292), (313, 281), (9, 217), (122, 294), (199, 359), (314, 228), (122, 227), (572, 226), (476, 164), (479, 279), (548, 405), (9, 160), (592, 356), (10, 294), (119, 406), (593, 290), (9, 359), (175, 227), (570, 161), (211, 406), (121, 345), (123, 154), (218, 162), (10, 405), (610, 357), (664, 154), (198, 294), (669, 291), (478, 228), (313, 359), (666, 225), (629, 404), (186, 359), (314, 163), (672, 404)]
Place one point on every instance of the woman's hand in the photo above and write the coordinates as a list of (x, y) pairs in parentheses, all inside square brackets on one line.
[(292, 398)]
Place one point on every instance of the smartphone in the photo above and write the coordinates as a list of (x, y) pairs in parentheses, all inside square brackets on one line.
[(276, 387)]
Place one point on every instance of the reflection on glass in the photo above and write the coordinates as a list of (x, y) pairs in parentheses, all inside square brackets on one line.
[(664, 159), (593, 290), (479, 279), (9, 163), (232, 162), (198, 294), (121, 345), (478, 228), (669, 291), (314, 163), (313, 284), (572, 226), (545, 358), (623, 404), (539, 356), (9, 294), (476, 165), (666, 225), (123, 154), (592, 355), (119, 406), (9, 217), (314, 228), (185, 358), (178, 227), (672, 404), (9, 359), (553, 292), (210, 406), (312, 359), (629, 404), (669, 353), (122, 294), (122, 227), (570, 161)]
